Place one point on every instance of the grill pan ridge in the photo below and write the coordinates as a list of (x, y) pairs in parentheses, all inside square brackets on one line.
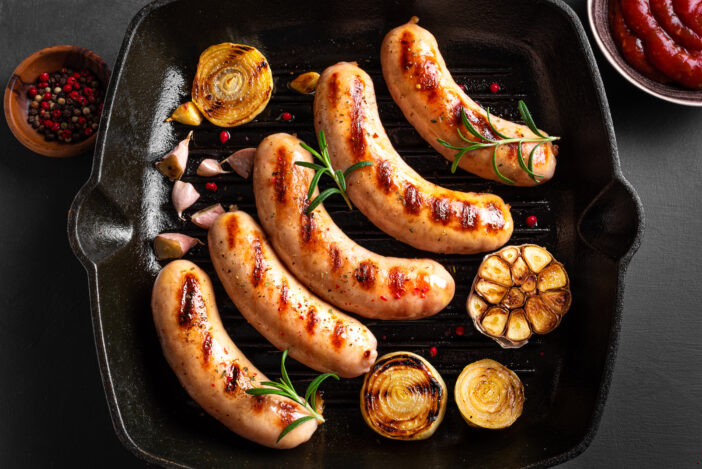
[(589, 218)]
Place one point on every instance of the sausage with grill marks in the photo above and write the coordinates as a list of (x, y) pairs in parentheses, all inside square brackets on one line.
[(330, 263), (210, 367), (422, 86), (390, 193), (283, 310)]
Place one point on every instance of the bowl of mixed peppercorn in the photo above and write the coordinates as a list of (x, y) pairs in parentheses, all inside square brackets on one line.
[(54, 98)]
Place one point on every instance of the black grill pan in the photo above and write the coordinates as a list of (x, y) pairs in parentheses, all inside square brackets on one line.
[(589, 217)]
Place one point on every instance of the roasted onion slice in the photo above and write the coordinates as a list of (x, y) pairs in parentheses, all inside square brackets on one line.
[(489, 395), (519, 290), (232, 85), (403, 397)]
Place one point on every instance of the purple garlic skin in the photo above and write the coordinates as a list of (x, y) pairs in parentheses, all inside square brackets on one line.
[(241, 161), (183, 196), (173, 164), (209, 168), (173, 245), (205, 217)]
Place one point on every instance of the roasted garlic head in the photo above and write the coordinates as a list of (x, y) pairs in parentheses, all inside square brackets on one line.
[(232, 85), (519, 290)]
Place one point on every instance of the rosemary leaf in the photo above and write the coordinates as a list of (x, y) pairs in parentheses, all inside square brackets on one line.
[(359, 165), (528, 120), (342, 180), (306, 164), (492, 126), (311, 393), (263, 391), (312, 150), (285, 379), (321, 198), (272, 383), (497, 171), (457, 159), (531, 156), (520, 159), (470, 128), (293, 426), (315, 180)]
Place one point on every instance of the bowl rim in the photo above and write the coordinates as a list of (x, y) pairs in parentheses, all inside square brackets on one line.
[(623, 71), (14, 121)]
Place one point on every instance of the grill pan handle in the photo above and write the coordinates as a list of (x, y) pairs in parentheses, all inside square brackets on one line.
[(97, 227), (613, 222)]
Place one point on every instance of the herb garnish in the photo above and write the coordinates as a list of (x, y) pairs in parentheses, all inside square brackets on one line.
[(285, 388), (484, 142), (338, 176)]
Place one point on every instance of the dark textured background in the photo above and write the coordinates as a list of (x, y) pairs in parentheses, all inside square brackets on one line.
[(52, 408)]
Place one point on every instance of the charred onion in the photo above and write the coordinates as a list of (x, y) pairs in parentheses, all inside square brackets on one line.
[(403, 397), (232, 85), (519, 290), (489, 395)]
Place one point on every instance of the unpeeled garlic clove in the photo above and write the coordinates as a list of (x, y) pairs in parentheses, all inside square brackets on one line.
[(183, 196), (186, 113), (205, 217), (173, 245), (210, 167), (173, 164), (241, 161)]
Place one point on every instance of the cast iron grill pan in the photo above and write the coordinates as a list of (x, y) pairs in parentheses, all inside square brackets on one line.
[(127, 202)]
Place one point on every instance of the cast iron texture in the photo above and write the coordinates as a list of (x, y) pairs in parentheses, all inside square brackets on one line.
[(589, 217)]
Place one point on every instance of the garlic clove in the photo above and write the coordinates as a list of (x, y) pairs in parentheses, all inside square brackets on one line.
[(241, 161), (183, 196), (173, 164), (173, 245), (210, 167), (305, 83), (186, 113), (205, 217)]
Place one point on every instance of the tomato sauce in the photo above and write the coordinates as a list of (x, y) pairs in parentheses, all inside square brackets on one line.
[(660, 38)]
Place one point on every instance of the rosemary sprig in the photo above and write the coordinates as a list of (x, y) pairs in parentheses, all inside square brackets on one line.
[(484, 142), (285, 388), (338, 176)]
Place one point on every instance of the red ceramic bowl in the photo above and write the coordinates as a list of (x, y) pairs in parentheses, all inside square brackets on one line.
[(17, 102)]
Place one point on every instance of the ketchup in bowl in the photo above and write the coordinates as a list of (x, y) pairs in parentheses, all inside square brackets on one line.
[(662, 39)]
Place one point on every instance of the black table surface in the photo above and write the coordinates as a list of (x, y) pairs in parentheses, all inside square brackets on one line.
[(52, 406)]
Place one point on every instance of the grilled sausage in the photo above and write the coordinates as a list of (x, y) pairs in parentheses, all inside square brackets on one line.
[(210, 367), (324, 258), (390, 193), (423, 88), (285, 312)]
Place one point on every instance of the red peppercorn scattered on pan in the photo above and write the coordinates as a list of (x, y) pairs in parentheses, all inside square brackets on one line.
[(59, 107), (531, 220), (211, 186), (286, 116), (224, 136), (494, 87), (433, 351)]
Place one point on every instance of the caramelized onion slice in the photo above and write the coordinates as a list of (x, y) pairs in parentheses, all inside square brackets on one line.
[(489, 395), (518, 291), (232, 85), (403, 397)]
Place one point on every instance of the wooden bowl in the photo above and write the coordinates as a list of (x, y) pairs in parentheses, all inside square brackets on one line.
[(597, 11), (17, 102)]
